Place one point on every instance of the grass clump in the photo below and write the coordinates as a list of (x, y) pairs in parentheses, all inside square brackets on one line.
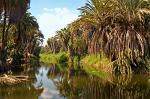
[(98, 65), (51, 58), (97, 62)]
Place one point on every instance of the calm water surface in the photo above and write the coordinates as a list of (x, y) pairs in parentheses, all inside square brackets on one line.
[(50, 83)]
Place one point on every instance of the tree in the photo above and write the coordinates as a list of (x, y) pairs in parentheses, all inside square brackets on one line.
[(120, 31), (27, 36), (11, 12), (117, 28), (64, 36)]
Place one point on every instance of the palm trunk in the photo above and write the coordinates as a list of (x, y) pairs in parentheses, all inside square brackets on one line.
[(4, 45), (3, 54), (33, 46), (3, 48)]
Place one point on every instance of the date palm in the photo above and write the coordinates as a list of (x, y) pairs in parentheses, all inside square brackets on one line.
[(64, 36), (11, 11), (120, 27), (27, 35), (54, 44)]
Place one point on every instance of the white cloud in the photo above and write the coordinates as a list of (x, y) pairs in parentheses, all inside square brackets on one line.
[(46, 9), (52, 20)]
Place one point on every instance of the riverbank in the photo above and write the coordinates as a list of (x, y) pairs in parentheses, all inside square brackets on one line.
[(12, 80), (97, 65), (51, 58), (60, 84)]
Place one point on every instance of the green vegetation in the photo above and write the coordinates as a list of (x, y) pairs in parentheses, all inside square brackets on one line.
[(20, 37), (118, 28), (97, 63), (51, 58), (93, 57), (91, 70)]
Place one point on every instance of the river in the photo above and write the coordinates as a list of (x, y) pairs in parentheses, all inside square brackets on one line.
[(51, 83)]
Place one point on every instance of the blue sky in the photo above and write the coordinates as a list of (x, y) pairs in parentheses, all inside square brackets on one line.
[(53, 15)]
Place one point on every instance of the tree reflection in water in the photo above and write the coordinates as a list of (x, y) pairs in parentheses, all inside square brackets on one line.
[(51, 83), (90, 87), (43, 82), (21, 91)]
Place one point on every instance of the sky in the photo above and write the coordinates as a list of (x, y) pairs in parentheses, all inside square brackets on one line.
[(53, 15)]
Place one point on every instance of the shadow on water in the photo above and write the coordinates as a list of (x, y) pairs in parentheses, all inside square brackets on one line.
[(55, 83)]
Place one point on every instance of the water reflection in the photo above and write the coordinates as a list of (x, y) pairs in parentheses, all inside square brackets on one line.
[(23, 91), (43, 82), (95, 88), (50, 83)]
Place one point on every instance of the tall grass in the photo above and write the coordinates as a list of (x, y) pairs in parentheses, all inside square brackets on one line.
[(51, 58), (97, 62)]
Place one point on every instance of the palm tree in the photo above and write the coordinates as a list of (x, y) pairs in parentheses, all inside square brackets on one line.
[(117, 28), (120, 27), (54, 44), (27, 35), (64, 36), (11, 11)]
